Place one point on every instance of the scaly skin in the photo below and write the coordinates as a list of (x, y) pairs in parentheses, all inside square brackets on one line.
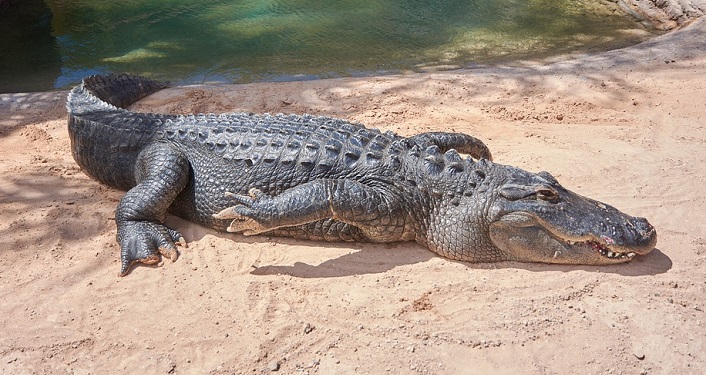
[(328, 179)]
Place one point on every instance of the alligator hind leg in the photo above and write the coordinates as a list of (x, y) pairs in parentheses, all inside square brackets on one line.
[(374, 210), (161, 173)]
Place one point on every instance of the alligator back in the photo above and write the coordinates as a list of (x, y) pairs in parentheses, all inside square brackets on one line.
[(238, 150)]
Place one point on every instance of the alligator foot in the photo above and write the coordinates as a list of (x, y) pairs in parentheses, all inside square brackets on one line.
[(242, 213), (143, 241)]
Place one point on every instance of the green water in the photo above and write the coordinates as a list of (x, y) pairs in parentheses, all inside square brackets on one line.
[(52, 44)]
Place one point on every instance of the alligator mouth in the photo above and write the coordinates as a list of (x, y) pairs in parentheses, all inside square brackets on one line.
[(527, 237), (604, 250)]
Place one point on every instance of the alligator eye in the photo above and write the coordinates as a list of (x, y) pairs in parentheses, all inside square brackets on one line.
[(548, 195)]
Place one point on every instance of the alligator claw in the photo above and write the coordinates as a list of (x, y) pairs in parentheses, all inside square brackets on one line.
[(241, 222), (237, 212), (144, 242), (242, 213), (228, 213), (247, 226), (255, 193), (178, 239)]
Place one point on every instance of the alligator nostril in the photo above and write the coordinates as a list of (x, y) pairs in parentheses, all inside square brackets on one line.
[(644, 228), (642, 224)]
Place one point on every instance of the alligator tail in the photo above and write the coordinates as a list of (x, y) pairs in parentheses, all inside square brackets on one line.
[(100, 92)]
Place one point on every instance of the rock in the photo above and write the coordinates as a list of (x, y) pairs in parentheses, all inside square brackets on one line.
[(665, 14), (273, 366)]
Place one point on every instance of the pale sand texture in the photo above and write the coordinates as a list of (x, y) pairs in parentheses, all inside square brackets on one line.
[(626, 127)]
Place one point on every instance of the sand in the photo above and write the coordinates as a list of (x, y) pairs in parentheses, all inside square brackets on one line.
[(626, 127)]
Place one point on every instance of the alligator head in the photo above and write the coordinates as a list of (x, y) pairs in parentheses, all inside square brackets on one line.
[(535, 219)]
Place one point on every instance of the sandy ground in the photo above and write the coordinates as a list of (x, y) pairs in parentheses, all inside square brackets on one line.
[(626, 127)]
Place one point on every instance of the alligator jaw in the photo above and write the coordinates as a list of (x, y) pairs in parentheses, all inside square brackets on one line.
[(602, 245), (604, 250), (526, 238)]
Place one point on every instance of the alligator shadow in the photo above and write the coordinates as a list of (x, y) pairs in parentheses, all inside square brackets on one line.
[(367, 259), (361, 258), (372, 260)]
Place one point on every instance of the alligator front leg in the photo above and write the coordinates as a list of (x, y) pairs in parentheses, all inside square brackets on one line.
[(161, 173), (374, 210)]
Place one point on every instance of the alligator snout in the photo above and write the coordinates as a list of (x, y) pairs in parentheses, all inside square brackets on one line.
[(644, 226), (646, 234)]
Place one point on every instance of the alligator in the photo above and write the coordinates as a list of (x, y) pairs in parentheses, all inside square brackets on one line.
[(321, 178)]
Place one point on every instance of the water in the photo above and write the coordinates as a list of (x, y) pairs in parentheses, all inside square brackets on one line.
[(52, 44)]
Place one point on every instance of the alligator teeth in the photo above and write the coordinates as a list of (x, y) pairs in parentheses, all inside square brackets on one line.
[(604, 251), (613, 255)]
